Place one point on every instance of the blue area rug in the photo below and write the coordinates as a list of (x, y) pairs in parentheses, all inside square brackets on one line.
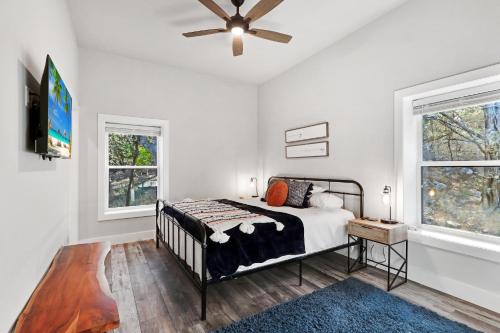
[(349, 306)]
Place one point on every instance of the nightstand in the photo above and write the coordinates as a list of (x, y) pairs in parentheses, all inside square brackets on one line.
[(385, 234)]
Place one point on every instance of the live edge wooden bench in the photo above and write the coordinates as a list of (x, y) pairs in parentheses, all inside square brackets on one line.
[(73, 296)]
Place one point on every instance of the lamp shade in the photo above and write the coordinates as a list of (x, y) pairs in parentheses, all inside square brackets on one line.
[(386, 195), (253, 184)]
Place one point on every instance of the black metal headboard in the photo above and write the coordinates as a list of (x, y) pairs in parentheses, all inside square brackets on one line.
[(331, 182)]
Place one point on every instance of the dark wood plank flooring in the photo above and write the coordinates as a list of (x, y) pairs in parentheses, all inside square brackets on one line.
[(154, 295)]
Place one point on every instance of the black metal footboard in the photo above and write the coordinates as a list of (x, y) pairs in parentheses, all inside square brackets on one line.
[(171, 230)]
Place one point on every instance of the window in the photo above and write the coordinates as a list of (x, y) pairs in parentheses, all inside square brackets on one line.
[(131, 166), (459, 161)]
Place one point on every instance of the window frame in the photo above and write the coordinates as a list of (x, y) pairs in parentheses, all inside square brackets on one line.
[(104, 212), (408, 148)]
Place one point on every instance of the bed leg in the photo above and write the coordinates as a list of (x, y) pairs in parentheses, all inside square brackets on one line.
[(156, 223), (203, 303), (157, 238), (204, 282), (300, 272)]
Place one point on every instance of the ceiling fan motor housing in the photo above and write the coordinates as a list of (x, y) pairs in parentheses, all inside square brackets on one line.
[(238, 3), (237, 21)]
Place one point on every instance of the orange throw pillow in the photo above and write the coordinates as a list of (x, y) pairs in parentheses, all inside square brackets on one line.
[(277, 193)]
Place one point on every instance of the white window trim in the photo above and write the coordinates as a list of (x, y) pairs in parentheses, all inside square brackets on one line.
[(106, 214), (407, 149)]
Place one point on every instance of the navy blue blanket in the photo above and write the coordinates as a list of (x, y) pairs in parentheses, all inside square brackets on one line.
[(246, 249)]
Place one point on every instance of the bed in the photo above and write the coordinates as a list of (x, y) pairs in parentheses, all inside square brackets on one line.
[(308, 232)]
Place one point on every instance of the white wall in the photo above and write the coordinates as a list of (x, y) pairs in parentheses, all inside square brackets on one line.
[(352, 84), (38, 202), (213, 129)]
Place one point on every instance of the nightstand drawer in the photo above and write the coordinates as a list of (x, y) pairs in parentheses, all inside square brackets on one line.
[(369, 232)]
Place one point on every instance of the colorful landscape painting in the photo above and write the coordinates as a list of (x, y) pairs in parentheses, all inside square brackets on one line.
[(59, 117)]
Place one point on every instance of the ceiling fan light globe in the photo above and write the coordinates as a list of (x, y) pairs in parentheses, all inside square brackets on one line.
[(237, 31)]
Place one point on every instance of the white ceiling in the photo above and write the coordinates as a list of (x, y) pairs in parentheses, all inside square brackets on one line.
[(151, 30)]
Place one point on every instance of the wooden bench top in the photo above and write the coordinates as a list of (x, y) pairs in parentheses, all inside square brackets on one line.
[(73, 296)]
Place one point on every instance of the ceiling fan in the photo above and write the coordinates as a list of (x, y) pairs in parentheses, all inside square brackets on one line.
[(238, 25)]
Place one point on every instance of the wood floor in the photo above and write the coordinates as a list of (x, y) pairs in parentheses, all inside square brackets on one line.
[(154, 295)]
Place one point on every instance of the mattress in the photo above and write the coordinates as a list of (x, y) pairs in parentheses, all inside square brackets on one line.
[(323, 229)]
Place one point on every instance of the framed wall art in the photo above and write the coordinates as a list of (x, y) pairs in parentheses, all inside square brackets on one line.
[(315, 149), (311, 132)]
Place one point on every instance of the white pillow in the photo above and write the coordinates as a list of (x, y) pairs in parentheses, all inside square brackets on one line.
[(317, 189), (326, 201)]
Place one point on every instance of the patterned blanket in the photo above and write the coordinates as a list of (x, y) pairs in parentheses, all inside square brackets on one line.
[(221, 217), (241, 249)]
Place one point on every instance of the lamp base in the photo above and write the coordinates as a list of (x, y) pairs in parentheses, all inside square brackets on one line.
[(389, 221)]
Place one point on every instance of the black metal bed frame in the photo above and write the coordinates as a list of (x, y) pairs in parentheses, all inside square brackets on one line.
[(167, 226)]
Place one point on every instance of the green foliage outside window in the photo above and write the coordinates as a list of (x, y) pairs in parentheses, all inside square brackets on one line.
[(132, 186), (132, 150)]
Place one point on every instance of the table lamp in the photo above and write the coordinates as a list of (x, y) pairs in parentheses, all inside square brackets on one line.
[(387, 200), (253, 183)]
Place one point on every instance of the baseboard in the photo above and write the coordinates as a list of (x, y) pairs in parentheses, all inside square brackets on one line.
[(484, 298), (121, 238)]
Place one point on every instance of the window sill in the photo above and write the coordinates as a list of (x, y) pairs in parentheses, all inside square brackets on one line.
[(466, 246), (127, 214)]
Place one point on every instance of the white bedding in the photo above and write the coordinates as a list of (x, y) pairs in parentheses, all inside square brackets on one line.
[(323, 229)]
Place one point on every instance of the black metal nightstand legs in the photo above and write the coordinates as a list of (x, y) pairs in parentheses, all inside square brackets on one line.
[(390, 283), (362, 260)]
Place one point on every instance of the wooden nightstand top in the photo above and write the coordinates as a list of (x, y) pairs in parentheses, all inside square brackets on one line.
[(378, 231)]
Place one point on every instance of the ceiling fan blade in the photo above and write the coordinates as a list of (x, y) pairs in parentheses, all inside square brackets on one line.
[(271, 35), (261, 8), (210, 4), (203, 32), (237, 46)]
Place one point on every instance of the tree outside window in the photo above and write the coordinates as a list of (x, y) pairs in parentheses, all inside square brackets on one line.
[(133, 170), (464, 195)]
